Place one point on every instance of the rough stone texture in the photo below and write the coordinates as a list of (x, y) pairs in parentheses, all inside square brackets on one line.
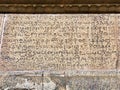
[(2, 20), (60, 42), (60, 83), (60, 52)]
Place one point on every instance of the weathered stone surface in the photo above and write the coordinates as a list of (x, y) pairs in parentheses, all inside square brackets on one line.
[(94, 83), (60, 42), (2, 20), (1, 23), (59, 52), (60, 83)]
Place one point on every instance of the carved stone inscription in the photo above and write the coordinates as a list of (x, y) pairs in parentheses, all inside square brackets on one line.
[(61, 42)]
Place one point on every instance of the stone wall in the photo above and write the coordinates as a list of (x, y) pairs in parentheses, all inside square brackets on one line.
[(59, 51)]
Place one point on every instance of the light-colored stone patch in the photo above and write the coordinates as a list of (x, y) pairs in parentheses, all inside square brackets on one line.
[(61, 42)]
